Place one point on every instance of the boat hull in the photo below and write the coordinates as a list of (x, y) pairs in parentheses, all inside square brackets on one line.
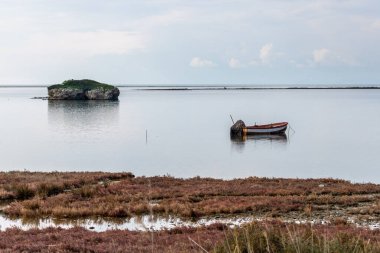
[(274, 129)]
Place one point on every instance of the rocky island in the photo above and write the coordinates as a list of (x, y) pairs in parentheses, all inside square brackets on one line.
[(83, 90)]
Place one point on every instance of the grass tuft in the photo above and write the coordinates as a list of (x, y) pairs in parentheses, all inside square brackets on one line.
[(283, 238), (24, 192)]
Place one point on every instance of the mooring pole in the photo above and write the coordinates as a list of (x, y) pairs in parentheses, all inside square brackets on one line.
[(232, 119)]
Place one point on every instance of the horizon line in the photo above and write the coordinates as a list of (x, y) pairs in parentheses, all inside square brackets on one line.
[(214, 85), (182, 87)]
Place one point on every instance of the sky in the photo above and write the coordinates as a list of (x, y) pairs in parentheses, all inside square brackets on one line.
[(179, 42)]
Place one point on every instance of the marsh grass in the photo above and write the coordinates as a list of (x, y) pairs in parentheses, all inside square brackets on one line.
[(288, 238), (81, 240), (122, 195), (259, 237), (24, 185), (23, 192), (50, 189)]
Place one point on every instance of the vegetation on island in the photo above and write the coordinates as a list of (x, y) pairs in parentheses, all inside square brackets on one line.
[(84, 84)]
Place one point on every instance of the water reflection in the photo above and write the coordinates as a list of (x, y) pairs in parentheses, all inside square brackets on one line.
[(239, 142), (83, 115)]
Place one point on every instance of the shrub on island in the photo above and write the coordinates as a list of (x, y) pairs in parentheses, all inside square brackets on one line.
[(83, 90)]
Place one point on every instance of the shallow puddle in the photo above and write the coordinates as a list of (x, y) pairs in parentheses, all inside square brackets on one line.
[(143, 223), (148, 223)]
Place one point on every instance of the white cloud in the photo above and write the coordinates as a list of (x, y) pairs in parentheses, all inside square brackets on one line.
[(77, 44), (320, 55), (265, 55), (333, 58), (65, 54), (376, 25), (197, 62), (162, 20), (265, 52), (235, 63), (87, 43)]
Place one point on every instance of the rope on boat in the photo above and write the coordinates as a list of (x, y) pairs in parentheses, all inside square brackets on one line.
[(291, 128)]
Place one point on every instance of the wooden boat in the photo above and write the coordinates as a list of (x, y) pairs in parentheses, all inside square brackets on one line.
[(274, 128), (240, 129)]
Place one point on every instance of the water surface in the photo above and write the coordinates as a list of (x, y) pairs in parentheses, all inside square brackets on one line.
[(186, 133)]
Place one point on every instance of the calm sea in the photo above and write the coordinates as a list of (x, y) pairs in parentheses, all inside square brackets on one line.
[(186, 133)]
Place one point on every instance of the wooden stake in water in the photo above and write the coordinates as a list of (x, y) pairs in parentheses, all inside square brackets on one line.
[(232, 119)]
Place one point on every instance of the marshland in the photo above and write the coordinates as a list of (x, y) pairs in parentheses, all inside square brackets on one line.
[(81, 194), (309, 215)]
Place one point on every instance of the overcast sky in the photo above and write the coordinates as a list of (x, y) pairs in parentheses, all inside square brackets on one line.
[(190, 41)]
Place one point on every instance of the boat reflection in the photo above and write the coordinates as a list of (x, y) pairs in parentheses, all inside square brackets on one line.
[(239, 142), (280, 138)]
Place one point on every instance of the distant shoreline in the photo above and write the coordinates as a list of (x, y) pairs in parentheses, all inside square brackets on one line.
[(251, 88), (211, 87)]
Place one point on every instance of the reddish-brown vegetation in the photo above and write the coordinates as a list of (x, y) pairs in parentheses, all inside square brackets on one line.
[(118, 195), (197, 197), (81, 240), (256, 237), (25, 185), (282, 238)]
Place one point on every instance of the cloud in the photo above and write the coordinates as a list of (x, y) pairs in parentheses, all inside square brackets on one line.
[(197, 62), (375, 25), (235, 63), (265, 56), (333, 58), (86, 43), (320, 55), (162, 20), (74, 45), (265, 53)]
